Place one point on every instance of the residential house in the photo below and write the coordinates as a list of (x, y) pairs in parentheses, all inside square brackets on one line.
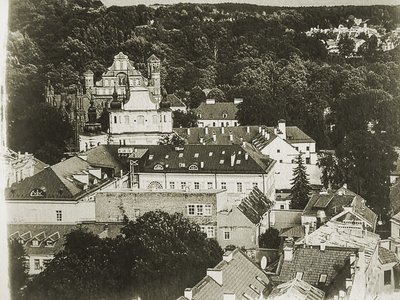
[(341, 205), (211, 113), (282, 143), (241, 224), (389, 275), (20, 166), (395, 234), (235, 277), (42, 241), (199, 206), (63, 193)]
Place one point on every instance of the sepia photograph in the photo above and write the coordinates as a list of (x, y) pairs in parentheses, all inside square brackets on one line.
[(200, 150)]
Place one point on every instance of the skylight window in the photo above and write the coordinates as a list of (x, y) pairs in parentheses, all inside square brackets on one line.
[(151, 156), (299, 275), (210, 154), (238, 162), (196, 155), (322, 278), (166, 156), (180, 154)]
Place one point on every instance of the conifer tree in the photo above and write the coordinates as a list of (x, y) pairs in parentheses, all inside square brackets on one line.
[(300, 185)]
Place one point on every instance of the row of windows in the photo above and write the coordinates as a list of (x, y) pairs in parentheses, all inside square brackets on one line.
[(38, 266), (199, 209), (121, 80), (209, 230), (140, 119), (210, 185)]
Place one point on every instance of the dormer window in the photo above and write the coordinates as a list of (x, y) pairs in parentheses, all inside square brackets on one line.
[(322, 278), (158, 167), (166, 156), (193, 168), (182, 165), (210, 154), (49, 243), (224, 115), (180, 155), (151, 156), (35, 243), (221, 162), (196, 155)]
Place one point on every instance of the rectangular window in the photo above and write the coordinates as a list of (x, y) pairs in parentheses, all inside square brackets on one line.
[(239, 187), (199, 210), (281, 161), (278, 151), (115, 119), (210, 231), (308, 148), (322, 278), (183, 185), (36, 264), (387, 277), (207, 209), (227, 235), (282, 206), (172, 185), (191, 209), (209, 185), (196, 185), (223, 185), (308, 160), (59, 215)]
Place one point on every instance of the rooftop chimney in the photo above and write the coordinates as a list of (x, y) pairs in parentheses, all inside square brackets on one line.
[(188, 131), (282, 128), (288, 253), (248, 129), (322, 245), (201, 140), (210, 101), (246, 156), (230, 136), (229, 296), (215, 274), (259, 129), (263, 132), (228, 256), (188, 293), (202, 164)]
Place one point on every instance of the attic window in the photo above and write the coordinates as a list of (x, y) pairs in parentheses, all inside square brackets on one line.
[(35, 243), (166, 156), (238, 162), (158, 167), (322, 278), (224, 115), (196, 155), (49, 243), (151, 156), (182, 165), (221, 162), (210, 154), (180, 154), (193, 168)]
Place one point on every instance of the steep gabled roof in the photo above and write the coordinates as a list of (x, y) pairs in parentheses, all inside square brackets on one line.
[(175, 101), (255, 205), (386, 256), (240, 276), (296, 289)]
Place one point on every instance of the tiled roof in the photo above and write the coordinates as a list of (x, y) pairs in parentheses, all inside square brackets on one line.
[(39, 166), (216, 111), (386, 256), (240, 276), (54, 233), (107, 156), (328, 262), (216, 159), (292, 232), (296, 289), (175, 101), (332, 204), (336, 234), (250, 134), (255, 205), (56, 181)]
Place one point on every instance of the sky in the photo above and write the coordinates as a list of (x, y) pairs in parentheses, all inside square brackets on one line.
[(259, 2)]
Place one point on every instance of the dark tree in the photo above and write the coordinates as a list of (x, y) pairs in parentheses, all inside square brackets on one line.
[(217, 94), (270, 239), (184, 119), (333, 175), (172, 139), (300, 185), (173, 254), (196, 97), (346, 45), (17, 269)]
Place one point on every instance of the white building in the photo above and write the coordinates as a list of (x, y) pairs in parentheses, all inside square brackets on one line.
[(223, 114), (282, 143)]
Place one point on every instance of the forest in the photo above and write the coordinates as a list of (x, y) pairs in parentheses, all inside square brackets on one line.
[(259, 53)]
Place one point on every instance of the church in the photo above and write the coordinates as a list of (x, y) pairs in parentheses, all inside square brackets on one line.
[(137, 115)]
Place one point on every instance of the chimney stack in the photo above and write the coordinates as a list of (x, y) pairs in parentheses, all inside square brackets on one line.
[(282, 128), (248, 129), (259, 129), (246, 156), (188, 293), (201, 140), (288, 253), (202, 164), (188, 131), (263, 132)]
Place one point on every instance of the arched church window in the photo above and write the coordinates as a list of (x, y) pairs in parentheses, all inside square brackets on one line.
[(121, 78)]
